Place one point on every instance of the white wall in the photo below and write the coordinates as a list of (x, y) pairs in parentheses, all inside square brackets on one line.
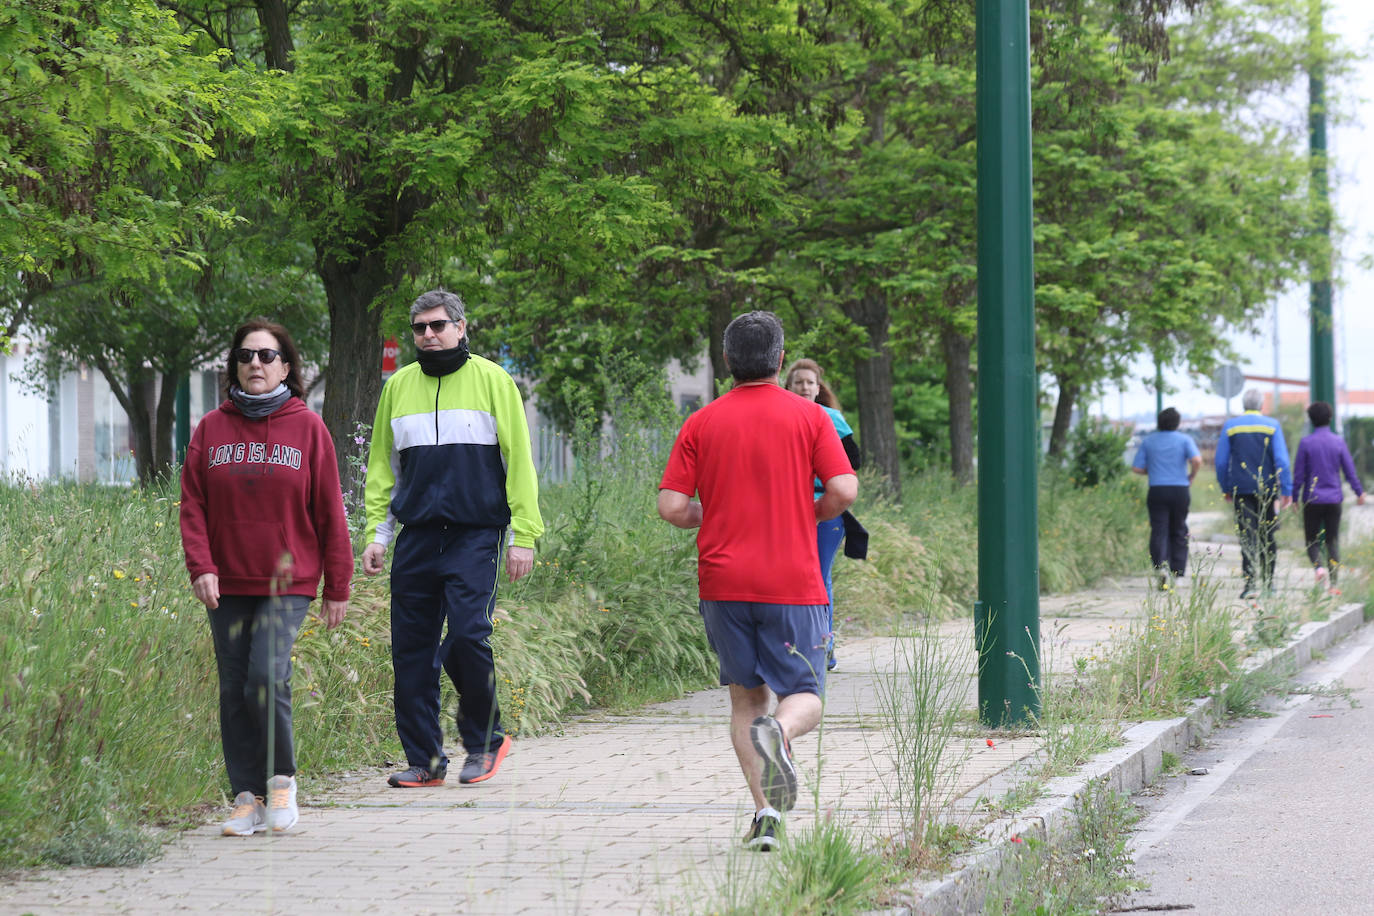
[(23, 419)]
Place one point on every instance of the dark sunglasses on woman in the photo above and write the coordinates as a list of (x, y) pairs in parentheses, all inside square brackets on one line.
[(267, 356)]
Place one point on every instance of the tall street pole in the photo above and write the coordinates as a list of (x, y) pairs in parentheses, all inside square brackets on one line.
[(1007, 613), (1323, 363)]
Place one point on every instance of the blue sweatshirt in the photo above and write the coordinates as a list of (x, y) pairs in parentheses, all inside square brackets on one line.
[(1252, 457)]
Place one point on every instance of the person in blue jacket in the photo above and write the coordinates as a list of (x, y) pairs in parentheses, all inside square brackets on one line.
[(1171, 460), (804, 378), (1254, 476), (1322, 456)]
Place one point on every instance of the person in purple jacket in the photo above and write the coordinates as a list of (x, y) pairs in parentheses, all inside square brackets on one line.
[(1322, 456)]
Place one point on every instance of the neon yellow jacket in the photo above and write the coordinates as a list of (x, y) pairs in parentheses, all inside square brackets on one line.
[(452, 450)]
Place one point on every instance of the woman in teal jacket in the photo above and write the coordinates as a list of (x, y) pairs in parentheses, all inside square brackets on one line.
[(804, 377)]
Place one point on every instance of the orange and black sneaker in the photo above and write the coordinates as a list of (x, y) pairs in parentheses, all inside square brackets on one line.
[(417, 778), (481, 766)]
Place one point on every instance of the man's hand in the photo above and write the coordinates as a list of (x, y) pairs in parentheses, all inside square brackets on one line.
[(334, 612), (1285, 502), (374, 557), (206, 589), (1359, 501), (1226, 496), (519, 562)]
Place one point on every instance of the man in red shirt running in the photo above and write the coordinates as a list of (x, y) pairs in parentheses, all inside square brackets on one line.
[(751, 456)]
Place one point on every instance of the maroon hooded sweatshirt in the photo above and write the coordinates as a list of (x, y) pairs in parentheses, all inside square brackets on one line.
[(261, 505)]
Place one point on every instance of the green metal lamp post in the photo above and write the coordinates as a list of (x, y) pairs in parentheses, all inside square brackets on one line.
[(1323, 362), (1007, 613)]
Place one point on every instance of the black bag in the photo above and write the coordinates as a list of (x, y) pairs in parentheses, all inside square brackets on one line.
[(855, 537)]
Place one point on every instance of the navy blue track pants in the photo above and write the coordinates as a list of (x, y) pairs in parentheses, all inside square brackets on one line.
[(438, 574)]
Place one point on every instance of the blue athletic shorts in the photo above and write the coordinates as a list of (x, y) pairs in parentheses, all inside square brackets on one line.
[(781, 645)]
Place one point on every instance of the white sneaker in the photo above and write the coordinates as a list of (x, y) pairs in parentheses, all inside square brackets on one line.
[(282, 812), (249, 816)]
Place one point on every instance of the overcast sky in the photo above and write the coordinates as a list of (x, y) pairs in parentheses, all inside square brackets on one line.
[(1352, 171)]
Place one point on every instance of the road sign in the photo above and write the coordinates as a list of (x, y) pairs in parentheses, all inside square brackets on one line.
[(1228, 381)]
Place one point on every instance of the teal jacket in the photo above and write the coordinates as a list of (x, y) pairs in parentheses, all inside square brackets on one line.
[(452, 450)]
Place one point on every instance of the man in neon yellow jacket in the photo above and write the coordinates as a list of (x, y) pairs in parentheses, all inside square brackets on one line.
[(451, 463)]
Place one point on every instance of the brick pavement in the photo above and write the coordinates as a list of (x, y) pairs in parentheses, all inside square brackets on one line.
[(639, 813)]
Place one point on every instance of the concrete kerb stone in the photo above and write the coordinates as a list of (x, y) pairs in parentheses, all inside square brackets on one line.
[(1125, 769)]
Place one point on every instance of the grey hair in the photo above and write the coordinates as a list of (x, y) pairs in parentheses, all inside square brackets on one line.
[(753, 346), (1253, 399), (452, 304)]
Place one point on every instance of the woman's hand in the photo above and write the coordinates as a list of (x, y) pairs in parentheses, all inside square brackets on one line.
[(206, 588), (334, 612)]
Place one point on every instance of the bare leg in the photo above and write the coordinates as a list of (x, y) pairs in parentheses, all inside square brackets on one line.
[(746, 705), (797, 713)]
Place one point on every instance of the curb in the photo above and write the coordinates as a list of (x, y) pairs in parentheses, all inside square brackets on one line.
[(1124, 769)]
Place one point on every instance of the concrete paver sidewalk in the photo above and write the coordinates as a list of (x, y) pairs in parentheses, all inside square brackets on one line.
[(619, 814)]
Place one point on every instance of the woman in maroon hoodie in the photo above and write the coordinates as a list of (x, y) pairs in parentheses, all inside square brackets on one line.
[(262, 519)]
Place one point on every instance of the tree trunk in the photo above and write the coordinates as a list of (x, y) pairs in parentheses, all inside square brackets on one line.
[(959, 391), (131, 391), (1063, 414), (141, 423), (718, 316), (166, 418), (353, 377), (276, 33), (873, 375)]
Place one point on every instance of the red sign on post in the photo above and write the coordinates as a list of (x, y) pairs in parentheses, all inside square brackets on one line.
[(390, 351)]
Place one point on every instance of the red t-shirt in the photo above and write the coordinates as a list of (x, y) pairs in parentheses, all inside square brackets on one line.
[(752, 455)]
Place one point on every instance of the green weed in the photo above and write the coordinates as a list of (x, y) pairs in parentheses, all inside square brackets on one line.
[(923, 700), (821, 870), (1184, 650), (1082, 874)]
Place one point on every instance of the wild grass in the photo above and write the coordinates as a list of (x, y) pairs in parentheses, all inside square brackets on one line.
[(1184, 649), (923, 702), (1081, 874), (820, 869)]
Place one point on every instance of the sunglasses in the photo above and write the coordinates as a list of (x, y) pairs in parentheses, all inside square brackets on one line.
[(437, 325), (267, 356)]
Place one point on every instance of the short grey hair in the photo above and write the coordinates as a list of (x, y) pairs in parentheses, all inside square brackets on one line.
[(1253, 399), (452, 304), (753, 346)]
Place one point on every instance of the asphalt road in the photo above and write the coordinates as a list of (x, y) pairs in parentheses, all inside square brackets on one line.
[(1281, 822)]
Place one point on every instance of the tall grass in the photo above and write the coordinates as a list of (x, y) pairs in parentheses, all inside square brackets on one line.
[(1186, 649), (923, 552), (923, 702), (108, 694)]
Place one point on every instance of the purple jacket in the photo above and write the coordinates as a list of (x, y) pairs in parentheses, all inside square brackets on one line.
[(1322, 456)]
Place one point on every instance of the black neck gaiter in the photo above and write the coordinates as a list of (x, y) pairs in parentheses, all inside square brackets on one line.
[(443, 362)]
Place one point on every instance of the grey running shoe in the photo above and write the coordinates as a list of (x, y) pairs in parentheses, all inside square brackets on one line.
[(249, 816), (483, 766), (764, 833), (779, 775), (282, 812), (417, 777)]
